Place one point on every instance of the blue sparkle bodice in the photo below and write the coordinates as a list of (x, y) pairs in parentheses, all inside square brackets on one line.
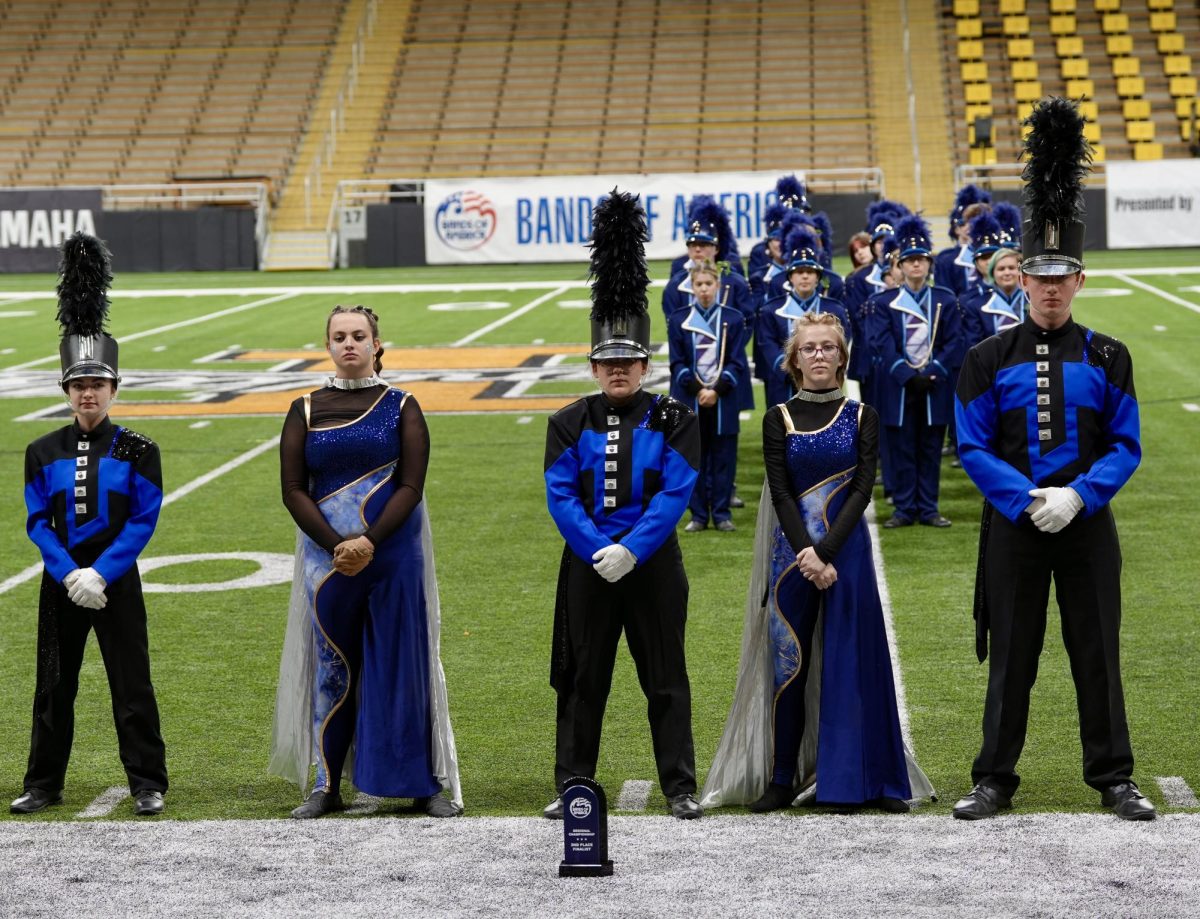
[(338, 456), (820, 466)]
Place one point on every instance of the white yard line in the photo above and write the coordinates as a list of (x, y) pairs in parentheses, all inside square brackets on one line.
[(634, 795), (105, 802), (1151, 289), (145, 333), (509, 317), (1176, 791), (34, 570)]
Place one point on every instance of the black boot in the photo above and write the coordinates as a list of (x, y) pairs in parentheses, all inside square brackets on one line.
[(776, 797), (318, 804)]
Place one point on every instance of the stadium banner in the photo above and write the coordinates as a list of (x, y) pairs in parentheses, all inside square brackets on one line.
[(1153, 204), (35, 221), (549, 219)]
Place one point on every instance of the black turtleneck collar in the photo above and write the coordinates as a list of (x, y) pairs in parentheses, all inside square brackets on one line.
[(104, 427), (638, 399), (1047, 334)]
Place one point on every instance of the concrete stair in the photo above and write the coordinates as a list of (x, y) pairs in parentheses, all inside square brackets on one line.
[(297, 251)]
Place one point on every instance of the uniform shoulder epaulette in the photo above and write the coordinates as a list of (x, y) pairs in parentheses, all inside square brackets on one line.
[(667, 414), (1101, 349), (130, 445)]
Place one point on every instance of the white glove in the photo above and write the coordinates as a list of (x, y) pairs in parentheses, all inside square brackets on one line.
[(69, 581), (88, 589), (1060, 507), (614, 562)]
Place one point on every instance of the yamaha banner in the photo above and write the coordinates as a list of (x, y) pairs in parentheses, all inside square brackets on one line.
[(1153, 204), (550, 219), (35, 221)]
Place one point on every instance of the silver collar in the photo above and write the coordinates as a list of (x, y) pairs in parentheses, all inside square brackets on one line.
[(363, 383), (832, 396)]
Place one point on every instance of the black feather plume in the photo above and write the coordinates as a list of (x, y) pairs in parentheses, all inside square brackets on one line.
[(84, 278), (618, 275), (1058, 158)]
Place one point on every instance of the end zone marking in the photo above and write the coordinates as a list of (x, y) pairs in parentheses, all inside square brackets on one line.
[(105, 802), (1176, 791), (634, 795), (1191, 407)]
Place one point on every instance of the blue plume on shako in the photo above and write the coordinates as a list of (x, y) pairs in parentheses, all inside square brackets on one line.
[(913, 229), (791, 192), (800, 237), (967, 195), (821, 219), (84, 279), (1009, 217), (708, 210), (985, 231)]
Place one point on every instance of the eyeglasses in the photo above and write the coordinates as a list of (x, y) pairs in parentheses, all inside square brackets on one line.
[(814, 350)]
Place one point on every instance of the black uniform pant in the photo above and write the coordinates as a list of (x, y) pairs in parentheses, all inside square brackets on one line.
[(650, 604), (1084, 561), (121, 634)]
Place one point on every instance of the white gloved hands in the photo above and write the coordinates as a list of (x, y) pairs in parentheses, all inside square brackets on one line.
[(1058, 508), (87, 588), (614, 562)]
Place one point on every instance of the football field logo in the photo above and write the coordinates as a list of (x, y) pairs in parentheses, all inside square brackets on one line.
[(465, 220)]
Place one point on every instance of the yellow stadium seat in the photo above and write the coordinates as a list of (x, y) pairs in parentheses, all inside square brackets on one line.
[(1147, 151), (1025, 70), (1016, 26), (1162, 22), (978, 110), (970, 49), (1062, 25), (1135, 110), (1183, 107), (969, 28), (1182, 86), (1068, 46), (1078, 88), (1027, 90), (1089, 110), (1170, 43), (1177, 65), (975, 72), (1114, 24), (1108, 6), (1126, 67), (966, 8), (1020, 48), (1062, 6), (1025, 128), (1091, 131), (976, 93), (1161, 4), (1185, 129), (1118, 44), (1138, 131), (1012, 7), (1074, 68), (1130, 86), (1098, 154), (982, 156)]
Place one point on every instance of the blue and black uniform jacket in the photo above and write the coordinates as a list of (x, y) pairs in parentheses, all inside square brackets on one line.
[(724, 328), (886, 318), (620, 474), (93, 498), (1038, 408)]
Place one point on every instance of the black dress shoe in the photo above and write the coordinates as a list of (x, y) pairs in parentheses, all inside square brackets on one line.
[(937, 520), (896, 521), (684, 807), (981, 801), (891, 805), (318, 804), (438, 806), (554, 810), (1127, 802), (775, 798), (148, 803), (34, 800)]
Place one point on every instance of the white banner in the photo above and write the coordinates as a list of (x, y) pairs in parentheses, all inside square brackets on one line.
[(550, 219), (1153, 204)]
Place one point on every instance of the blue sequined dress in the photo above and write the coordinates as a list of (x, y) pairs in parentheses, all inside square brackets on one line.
[(361, 673)]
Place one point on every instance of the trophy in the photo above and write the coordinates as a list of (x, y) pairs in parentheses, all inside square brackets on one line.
[(585, 830)]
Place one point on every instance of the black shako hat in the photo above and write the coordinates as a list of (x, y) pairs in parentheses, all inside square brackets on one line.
[(1058, 157), (620, 323), (87, 350)]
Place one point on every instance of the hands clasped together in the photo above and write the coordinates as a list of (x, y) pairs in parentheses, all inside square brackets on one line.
[(353, 555), (614, 562), (822, 574), (85, 588), (1053, 508)]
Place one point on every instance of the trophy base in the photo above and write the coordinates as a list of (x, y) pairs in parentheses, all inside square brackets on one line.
[(603, 870)]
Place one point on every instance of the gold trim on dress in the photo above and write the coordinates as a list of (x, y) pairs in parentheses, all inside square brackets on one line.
[(355, 482), (346, 424), (362, 507), (349, 678), (836, 416)]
